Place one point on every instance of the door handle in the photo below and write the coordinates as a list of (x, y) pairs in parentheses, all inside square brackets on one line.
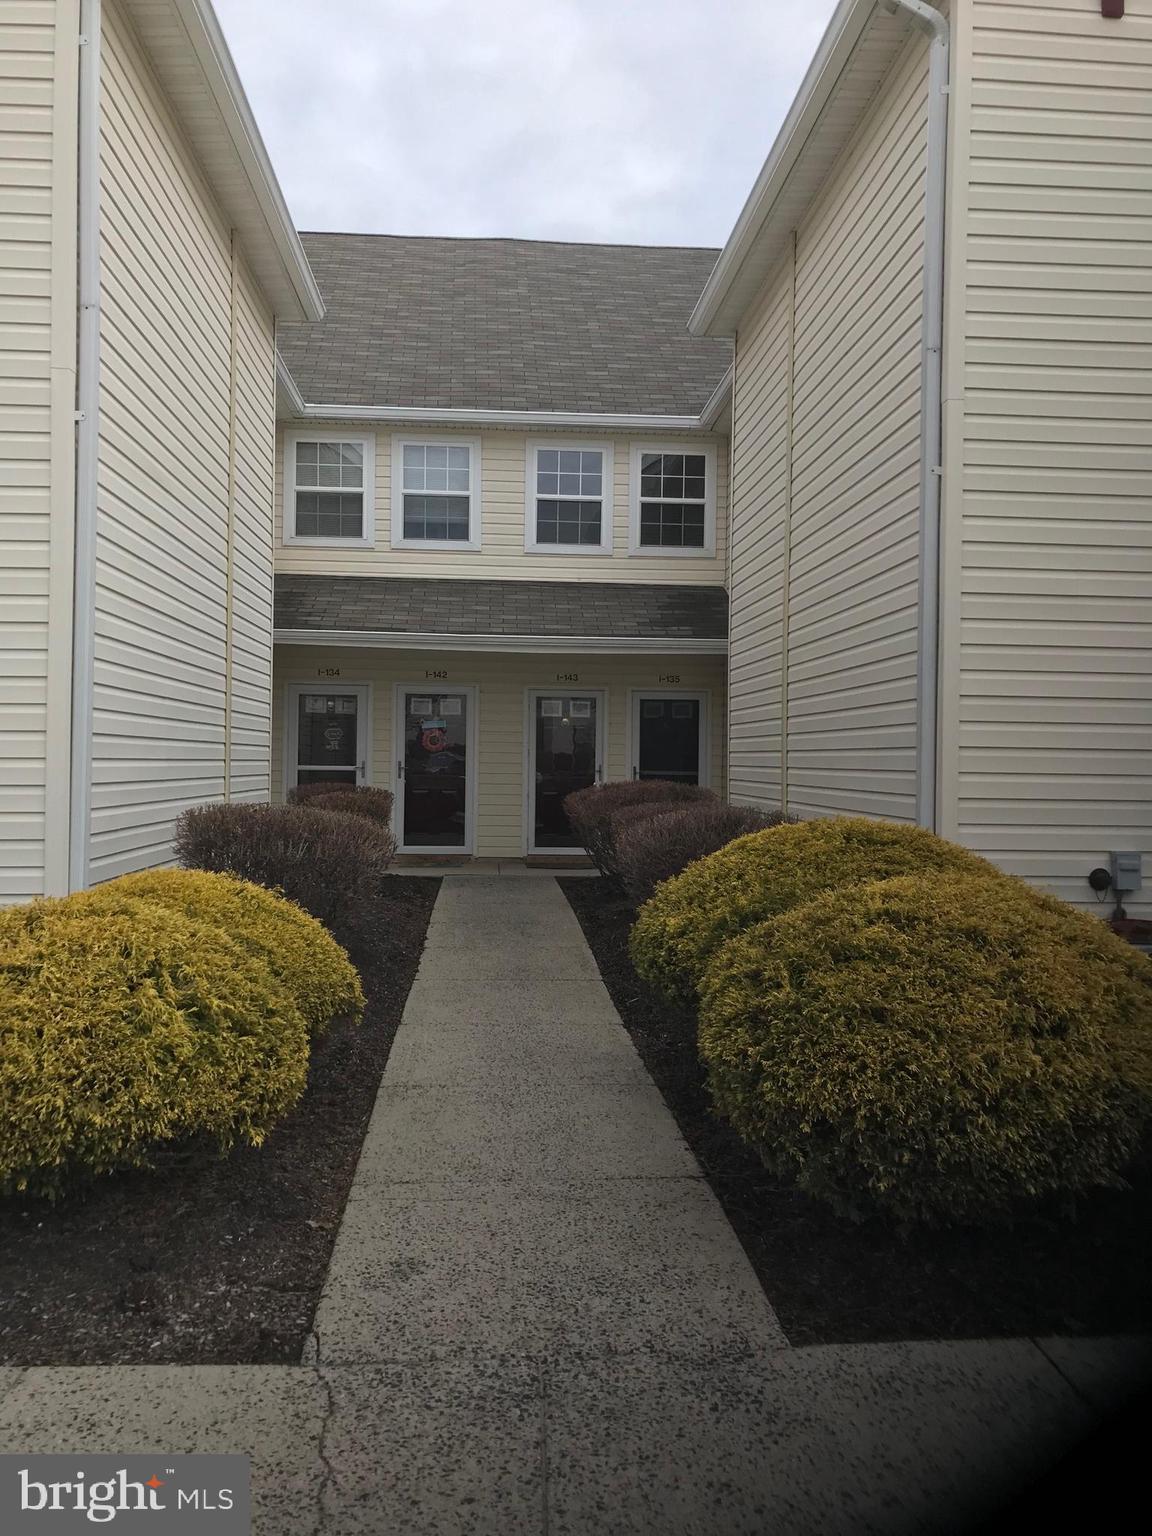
[(400, 770), (635, 771), (599, 773)]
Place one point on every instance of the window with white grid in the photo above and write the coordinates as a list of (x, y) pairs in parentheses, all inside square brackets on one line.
[(329, 490), (673, 501), (435, 494), (569, 498)]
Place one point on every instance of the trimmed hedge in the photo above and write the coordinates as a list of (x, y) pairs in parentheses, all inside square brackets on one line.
[(591, 812), (298, 950), (654, 843), (332, 864), (123, 1029), (757, 877), (373, 804), (938, 1047), (301, 794)]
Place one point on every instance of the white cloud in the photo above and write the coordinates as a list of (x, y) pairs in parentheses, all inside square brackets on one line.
[(629, 120)]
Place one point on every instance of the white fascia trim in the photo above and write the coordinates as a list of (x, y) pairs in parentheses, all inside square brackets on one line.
[(521, 644), (719, 400), (836, 48), (230, 100), (461, 416), (287, 383)]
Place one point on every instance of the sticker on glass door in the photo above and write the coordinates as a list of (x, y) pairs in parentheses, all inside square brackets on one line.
[(565, 757), (433, 772), (328, 738)]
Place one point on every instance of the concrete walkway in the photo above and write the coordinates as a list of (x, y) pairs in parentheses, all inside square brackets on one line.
[(538, 1320)]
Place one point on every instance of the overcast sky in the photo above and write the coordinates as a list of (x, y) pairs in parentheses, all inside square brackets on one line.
[(629, 120)]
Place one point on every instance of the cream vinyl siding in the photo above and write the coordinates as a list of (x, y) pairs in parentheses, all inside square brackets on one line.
[(503, 510), (759, 524), (252, 546), (501, 682), (825, 559), (165, 535), (38, 82), (1048, 633)]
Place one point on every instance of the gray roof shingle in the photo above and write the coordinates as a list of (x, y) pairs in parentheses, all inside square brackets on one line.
[(521, 325), (415, 605)]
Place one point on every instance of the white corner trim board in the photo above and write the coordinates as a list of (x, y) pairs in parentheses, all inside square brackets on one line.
[(931, 409), (87, 443), (521, 644)]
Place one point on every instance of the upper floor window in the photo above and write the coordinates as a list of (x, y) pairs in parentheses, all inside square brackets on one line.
[(569, 505), (436, 493), (673, 501), (328, 490)]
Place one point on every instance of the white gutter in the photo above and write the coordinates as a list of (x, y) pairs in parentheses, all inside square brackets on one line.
[(471, 417), (87, 444), (466, 416), (931, 405), (212, 52), (521, 644), (719, 400), (836, 48)]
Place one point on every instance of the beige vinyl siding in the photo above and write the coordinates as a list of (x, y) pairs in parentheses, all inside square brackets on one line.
[(825, 567), (162, 578), (503, 493), (38, 81), (760, 477), (250, 729), (502, 683), (1048, 662)]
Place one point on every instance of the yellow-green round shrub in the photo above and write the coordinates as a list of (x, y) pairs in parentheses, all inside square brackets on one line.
[(941, 1048), (120, 1030), (298, 950), (766, 873)]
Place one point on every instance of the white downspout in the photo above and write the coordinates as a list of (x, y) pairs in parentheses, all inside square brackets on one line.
[(932, 393), (87, 443)]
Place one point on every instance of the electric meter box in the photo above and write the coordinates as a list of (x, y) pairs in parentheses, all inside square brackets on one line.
[(1127, 872)]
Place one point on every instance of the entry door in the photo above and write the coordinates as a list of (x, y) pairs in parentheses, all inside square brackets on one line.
[(566, 753), (434, 769), (670, 736), (328, 735)]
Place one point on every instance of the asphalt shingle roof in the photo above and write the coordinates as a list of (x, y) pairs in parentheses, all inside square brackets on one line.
[(414, 605), (520, 325)]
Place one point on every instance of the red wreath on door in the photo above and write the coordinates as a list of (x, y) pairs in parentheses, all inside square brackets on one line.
[(434, 740)]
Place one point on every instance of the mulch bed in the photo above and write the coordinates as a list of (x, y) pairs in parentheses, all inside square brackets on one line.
[(833, 1281), (207, 1260)]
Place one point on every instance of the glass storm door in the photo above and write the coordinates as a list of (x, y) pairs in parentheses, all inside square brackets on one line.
[(329, 729), (668, 732), (566, 756), (433, 771)]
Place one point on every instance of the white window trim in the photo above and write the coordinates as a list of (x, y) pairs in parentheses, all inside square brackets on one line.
[(661, 551), (367, 445), (450, 440), (532, 450)]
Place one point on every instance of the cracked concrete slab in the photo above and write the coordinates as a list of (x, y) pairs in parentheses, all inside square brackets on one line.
[(618, 1266), (272, 1414), (1106, 1372), (439, 1448), (898, 1439)]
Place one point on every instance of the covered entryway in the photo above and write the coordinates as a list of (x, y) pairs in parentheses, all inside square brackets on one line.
[(511, 696)]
